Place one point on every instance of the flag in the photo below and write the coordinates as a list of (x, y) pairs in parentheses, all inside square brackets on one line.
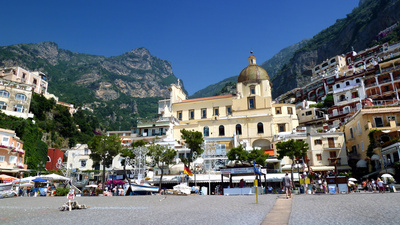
[(187, 171)]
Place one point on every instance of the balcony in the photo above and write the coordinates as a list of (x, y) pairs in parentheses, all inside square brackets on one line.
[(370, 85), (330, 146), (385, 81)]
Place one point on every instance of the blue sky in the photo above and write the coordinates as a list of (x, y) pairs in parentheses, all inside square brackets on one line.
[(206, 41)]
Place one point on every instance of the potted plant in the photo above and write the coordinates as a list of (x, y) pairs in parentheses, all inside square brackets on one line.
[(85, 192), (99, 192)]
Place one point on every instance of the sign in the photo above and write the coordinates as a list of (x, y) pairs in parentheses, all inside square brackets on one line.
[(332, 189), (238, 170), (71, 194), (306, 181)]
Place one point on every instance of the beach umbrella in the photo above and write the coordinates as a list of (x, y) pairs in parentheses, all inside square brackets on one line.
[(26, 185), (53, 176), (386, 175), (353, 179), (7, 178), (23, 180), (351, 182), (91, 186), (39, 180)]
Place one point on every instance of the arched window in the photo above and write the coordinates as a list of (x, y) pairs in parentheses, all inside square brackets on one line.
[(206, 132), (3, 105), (221, 130), (347, 83), (260, 128), (358, 81), (18, 108), (20, 97), (338, 86), (4, 94), (238, 129)]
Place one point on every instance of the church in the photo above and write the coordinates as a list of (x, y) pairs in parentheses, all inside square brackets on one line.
[(248, 118)]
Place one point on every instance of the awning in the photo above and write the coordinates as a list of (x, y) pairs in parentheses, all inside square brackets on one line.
[(375, 157), (361, 163), (322, 168)]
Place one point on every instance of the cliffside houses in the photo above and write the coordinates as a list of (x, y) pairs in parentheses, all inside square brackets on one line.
[(12, 154)]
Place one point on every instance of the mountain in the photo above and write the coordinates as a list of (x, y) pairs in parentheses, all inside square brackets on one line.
[(120, 89), (272, 66), (358, 30)]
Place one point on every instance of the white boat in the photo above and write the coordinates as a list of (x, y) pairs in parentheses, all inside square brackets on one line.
[(143, 189)]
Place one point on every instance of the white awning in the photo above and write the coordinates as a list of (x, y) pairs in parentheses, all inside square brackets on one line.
[(322, 168)]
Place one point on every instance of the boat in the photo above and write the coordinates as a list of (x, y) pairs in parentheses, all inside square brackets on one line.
[(140, 188)]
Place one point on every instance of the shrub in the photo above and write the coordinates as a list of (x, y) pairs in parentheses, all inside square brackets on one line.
[(62, 191)]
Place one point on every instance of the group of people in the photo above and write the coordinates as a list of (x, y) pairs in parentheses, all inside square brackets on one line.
[(373, 186)]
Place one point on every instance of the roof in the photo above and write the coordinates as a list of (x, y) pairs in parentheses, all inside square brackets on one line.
[(209, 98)]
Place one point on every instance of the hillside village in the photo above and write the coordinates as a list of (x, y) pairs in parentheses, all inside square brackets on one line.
[(348, 114)]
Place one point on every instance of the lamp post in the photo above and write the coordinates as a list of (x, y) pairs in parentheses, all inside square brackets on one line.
[(39, 167), (19, 185)]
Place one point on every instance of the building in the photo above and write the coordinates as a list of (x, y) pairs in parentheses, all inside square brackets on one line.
[(15, 98), (324, 147), (248, 117), (12, 154), (378, 127), (55, 159), (37, 80)]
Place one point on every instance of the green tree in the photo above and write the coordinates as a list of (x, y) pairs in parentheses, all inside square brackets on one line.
[(239, 154), (162, 156), (193, 140), (294, 149), (103, 149)]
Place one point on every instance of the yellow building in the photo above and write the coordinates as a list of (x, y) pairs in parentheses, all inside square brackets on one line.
[(248, 117), (385, 124)]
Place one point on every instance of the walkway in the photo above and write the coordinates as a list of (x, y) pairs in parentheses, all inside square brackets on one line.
[(280, 213)]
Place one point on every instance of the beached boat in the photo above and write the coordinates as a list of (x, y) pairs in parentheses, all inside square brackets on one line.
[(143, 189)]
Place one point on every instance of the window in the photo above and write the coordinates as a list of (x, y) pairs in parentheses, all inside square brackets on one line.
[(4, 94), (191, 114), (318, 142), (34, 81), (179, 115), (18, 108), (308, 113), (359, 127), (83, 162), (5, 141), (378, 122), (86, 151), (351, 133), (342, 97), (260, 128), (229, 110), (319, 157), (347, 83), (358, 81), (23, 75), (216, 111), (3, 105), (206, 132), (391, 118), (2, 158), (220, 149), (203, 113), (238, 129), (354, 149), (20, 97), (290, 110), (281, 127), (221, 130), (12, 159), (252, 90), (251, 103), (362, 145), (278, 110), (337, 86), (354, 94), (332, 154)]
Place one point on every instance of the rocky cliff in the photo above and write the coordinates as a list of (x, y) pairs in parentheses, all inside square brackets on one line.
[(358, 30), (113, 85)]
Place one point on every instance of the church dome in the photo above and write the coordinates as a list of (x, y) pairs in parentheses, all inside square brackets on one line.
[(253, 72)]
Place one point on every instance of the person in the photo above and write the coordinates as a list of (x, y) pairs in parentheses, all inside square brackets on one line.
[(373, 183), (381, 186), (287, 183), (242, 184)]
